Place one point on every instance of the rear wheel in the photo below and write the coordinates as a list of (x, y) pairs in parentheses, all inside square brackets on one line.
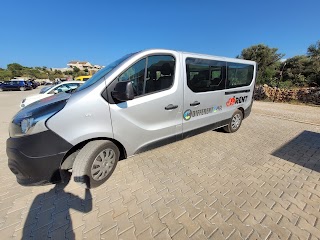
[(22, 88), (1, 89), (235, 122), (95, 163)]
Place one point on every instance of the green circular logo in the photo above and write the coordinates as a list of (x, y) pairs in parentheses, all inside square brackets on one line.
[(187, 115)]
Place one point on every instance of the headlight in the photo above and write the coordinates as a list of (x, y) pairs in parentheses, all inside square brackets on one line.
[(26, 124), (31, 119)]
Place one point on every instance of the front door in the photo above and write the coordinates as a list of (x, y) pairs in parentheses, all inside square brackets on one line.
[(154, 116)]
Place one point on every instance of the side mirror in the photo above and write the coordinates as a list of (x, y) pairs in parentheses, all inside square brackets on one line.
[(55, 91), (123, 91)]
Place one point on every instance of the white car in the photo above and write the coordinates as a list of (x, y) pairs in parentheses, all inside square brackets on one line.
[(62, 87)]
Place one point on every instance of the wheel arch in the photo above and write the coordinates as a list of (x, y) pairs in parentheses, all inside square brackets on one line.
[(70, 156), (242, 110)]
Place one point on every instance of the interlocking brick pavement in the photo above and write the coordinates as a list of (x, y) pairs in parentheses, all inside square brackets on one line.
[(262, 182)]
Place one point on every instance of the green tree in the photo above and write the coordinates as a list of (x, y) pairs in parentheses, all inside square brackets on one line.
[(267, 59), (313, 53), (57, 74), (69, 72), (5, 74), (76, 70), (295, 70), (80, 73), (15, 69)]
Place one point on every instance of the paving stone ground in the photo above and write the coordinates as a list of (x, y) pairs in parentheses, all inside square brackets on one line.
[(262, 182)]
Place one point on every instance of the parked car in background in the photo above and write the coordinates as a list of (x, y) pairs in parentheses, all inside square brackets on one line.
[(62, 87), (48, 86), (44, 89), (29, 84), (47, 82), (15, 85), (34, 84), (82, 78)]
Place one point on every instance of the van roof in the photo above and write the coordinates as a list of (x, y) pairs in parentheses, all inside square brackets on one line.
[(200, 55)]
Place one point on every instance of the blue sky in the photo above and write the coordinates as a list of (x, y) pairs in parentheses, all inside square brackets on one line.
[(52, 32)]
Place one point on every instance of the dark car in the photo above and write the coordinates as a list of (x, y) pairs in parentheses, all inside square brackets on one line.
[(15, 85), (33, 83)]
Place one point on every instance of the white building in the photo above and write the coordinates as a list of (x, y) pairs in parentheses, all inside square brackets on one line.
[(84, 65)]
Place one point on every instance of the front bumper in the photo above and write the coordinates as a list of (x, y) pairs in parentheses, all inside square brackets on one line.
[(36, 159)]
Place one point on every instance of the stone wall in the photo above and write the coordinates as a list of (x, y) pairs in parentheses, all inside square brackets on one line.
[(304, 95)]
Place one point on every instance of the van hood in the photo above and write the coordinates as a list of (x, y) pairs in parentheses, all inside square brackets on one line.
[(42, 104), (25, 121)]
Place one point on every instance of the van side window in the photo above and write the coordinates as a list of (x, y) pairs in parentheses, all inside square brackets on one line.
[(205, 75), (151, 74), (239, 75), (135, 74), (160, 73)]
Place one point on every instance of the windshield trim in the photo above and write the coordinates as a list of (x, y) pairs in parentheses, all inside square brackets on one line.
[(103, 72)]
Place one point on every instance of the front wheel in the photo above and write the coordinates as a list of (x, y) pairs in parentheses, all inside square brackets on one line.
[(95, 163), (22, 88), (1, 89), (235, 122)]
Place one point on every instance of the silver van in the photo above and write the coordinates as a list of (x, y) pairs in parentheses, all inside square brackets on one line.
[(139, 102)]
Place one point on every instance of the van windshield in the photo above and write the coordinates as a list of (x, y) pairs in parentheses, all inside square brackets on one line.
[(97, 76)]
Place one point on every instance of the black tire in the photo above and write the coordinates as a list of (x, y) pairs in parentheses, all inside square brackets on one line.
[(22, 88), (88, 160), (1, 89), (235, 122)]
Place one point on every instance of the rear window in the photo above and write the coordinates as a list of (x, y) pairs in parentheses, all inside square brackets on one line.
[(205, 75), (239, 75)]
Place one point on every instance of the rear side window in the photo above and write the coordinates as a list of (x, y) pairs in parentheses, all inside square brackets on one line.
[(151, 74), (205, 75), (239, 75)]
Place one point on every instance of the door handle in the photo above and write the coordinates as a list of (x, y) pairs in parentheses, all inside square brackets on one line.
[(195, 103), (170, 107)]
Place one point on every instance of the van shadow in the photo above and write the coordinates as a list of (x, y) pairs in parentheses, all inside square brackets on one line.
[(304, 150), (49, 215)]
